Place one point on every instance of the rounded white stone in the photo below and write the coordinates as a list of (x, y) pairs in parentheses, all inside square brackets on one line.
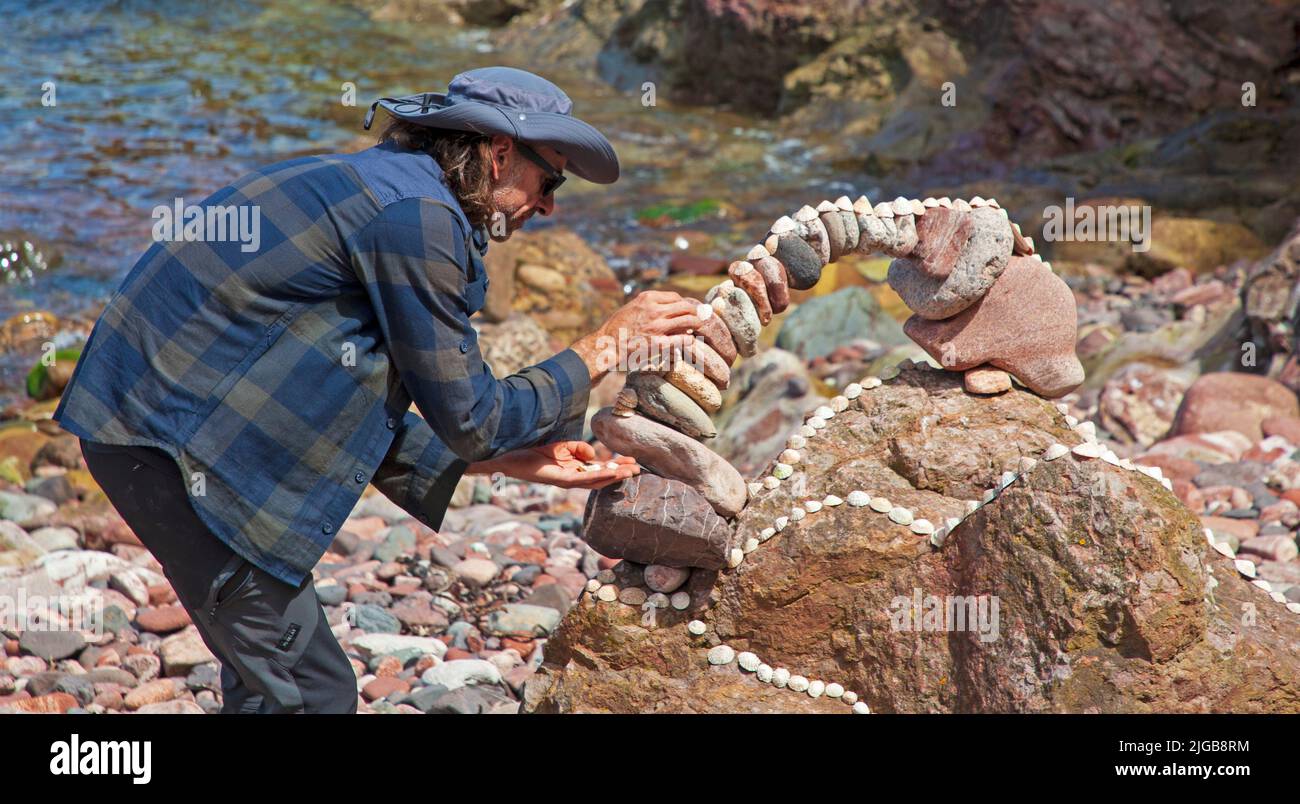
[(754, 489), (834, 690), (938, 538), (606, 576), (1278, 597), (852, 391), (751, 545), (900, 515), (840, 403), (813, 506), (796, 441), (797, 514), (1262, 584), (680, 600), (1006, 479), (593, 585), (798, 683), (807, 430), (858, 499), (1224, 549), (1294, 608), (721, 654), (790, 456), (735, 557), (771, 482), (1168, 485), (831, 500), (849, 697), (989, 496), (1245, 567), (748, 661), (766, 533), (816, 688), (782, 471), (780, 523), (1086, 429), (1070, 420), (1055, 451), (861, 708), (780, 677), (972, 506), (870, 382), (658, 599), (1088, 449), (764, 674), (696, 627), (922, 527), (881, 505), (608, 593), (816, 423)]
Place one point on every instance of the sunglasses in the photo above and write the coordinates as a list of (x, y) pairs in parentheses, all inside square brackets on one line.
[(554, 178)]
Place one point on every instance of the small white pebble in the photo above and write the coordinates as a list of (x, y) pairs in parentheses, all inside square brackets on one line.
[(721, 654), (796, 441), (782, 471), (881, 505), (696, 627), (900, 515), (852, 391), (922, 527), (1224, 549), (840, 403), (1063, 408), (747, 661), (608, 593), (1086, 429), (735, 557), (989, 496), (816, 688), (816, 423), (1294, 608), (849, 697), (612, 465), (750, 545), (858, 499), (1245, 567), (861, 708), (798, 683), (870, 382), (834, 690), (766, 533), (1278, 597), (807, 430), (831, 501), (1088, 449), (754, 489), (764, 674), (680, 600), (780, 523), (797, 514), (1055, 451), (1006, 479), (1070, 420), (972, 506), (938, 538), (606, 576), (593, 585), (771, 482), (813, 506), (658, 599), (1262, 584), (823, 412), (790, 456), (780, 677)]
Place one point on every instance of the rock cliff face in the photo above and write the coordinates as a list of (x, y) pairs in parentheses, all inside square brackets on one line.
[(1091, 588)]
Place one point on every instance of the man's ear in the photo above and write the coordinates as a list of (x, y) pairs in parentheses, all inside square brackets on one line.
[(501, 148)]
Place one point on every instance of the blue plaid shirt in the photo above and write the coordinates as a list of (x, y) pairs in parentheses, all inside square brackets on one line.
[(279, 378)]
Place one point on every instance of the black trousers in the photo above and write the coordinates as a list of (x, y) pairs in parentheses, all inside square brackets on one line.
[(275, 646)]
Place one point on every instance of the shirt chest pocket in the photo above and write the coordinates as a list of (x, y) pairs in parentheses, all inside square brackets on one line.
[(476, 287)]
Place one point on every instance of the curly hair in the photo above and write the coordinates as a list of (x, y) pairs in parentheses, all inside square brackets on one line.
[(464, 156)]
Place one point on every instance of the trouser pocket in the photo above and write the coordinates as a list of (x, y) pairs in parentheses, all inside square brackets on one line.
[(264, 626)]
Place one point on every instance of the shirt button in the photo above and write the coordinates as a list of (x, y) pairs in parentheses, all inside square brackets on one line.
[(392, 424), (464, 347), (360, 477), (327, 528)]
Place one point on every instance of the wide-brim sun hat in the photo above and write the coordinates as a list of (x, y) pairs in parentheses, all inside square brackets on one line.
[(518, 104)]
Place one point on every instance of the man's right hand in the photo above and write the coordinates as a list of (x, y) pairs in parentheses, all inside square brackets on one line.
[(653, 324)]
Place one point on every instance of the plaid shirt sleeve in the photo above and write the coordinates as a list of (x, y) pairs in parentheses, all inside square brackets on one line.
[(412, 262)]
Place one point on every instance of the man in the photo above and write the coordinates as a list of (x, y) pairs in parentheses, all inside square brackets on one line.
[(233, 403)]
